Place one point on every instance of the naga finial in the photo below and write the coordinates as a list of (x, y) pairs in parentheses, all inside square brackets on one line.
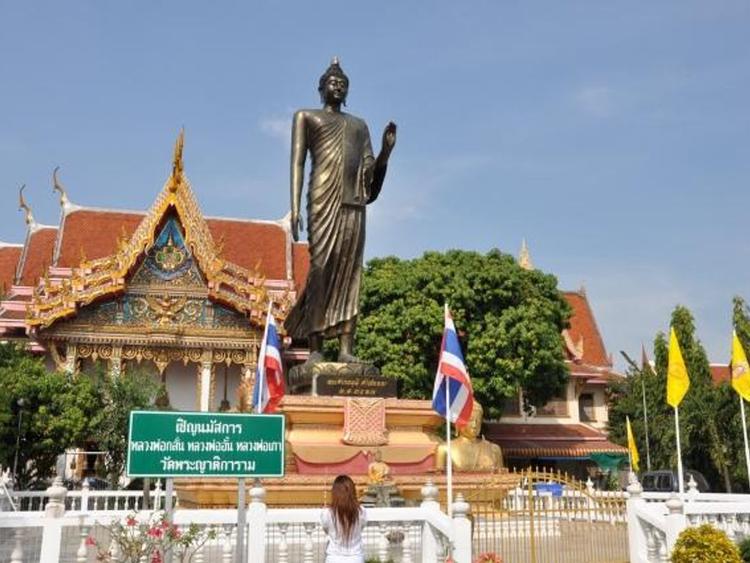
[(22, 205), (177, 166), (59, 188)]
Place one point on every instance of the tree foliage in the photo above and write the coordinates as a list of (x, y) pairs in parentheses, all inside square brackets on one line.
[(509, 322), (58, 412), (62, 412), (134, 390), (708, 413)]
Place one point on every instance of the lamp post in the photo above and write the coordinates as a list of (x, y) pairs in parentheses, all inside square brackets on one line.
[(21, 403)]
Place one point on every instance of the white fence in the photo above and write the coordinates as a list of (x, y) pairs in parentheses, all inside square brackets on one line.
[(655, 520), (87, 500), (405, 535)]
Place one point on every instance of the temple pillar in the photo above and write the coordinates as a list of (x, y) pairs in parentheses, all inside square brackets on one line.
[(115, 362), (205, 371), (71, 357)]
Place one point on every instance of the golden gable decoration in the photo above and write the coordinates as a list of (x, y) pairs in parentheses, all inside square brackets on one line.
[(229, 284)]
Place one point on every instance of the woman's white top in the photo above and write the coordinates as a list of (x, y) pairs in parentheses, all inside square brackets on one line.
[(337, 547)]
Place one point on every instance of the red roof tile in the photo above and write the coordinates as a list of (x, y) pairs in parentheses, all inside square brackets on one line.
[(9, 256), (583, 324), (549, 440), (93, 233), (37, 255), (253, 245), (721, 373)]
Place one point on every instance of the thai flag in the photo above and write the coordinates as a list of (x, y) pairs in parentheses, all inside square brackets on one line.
[(269, 377), (452, 372)]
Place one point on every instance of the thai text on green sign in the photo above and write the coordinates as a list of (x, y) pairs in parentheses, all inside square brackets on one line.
[(192, 444)]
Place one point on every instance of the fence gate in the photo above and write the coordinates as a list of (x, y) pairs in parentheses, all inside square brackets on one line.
[(541, 516)]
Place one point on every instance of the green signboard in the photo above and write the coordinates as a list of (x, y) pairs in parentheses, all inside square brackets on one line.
[(205, 444)]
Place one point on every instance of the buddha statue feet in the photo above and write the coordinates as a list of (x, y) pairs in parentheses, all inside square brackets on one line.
[(345, 358)]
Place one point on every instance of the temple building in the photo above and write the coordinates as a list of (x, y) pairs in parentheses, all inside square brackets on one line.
[(176, 292), (185, 296)]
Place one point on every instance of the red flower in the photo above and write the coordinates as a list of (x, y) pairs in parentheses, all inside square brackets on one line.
[(155, 532), (130, 521), (90, 540), (156, 557)]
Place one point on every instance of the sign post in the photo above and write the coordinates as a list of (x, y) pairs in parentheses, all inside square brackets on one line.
[(206, 444)]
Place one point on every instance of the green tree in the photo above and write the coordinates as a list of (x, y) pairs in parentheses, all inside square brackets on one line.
[(705, 412), (134, 389), (731, 417), (509, 322), (58, 413)]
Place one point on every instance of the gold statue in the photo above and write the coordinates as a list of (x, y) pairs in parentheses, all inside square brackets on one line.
[(469, 453), (378, 472)]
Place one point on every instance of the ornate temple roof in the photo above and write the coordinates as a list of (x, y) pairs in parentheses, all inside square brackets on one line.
[(89, 256)]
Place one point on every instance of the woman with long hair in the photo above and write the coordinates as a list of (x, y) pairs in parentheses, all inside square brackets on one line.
[(343, 523)]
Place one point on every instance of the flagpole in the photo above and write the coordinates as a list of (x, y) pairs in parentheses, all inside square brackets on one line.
[(679, 451), (262, 357), (645, 423), (449, 456), (744, 433)]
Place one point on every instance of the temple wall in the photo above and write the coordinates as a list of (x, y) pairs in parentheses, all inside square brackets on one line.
[(181, 385)]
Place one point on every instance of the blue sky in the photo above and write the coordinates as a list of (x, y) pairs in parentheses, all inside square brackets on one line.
[(615, 137)]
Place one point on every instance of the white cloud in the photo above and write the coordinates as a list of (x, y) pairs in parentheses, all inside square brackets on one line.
[(277, 127), (596, 100)]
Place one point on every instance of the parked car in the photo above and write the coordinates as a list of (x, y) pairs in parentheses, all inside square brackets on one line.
[(665, 481)]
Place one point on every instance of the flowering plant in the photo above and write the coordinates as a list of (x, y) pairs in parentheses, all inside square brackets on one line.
[(136, 539), (489, 557)]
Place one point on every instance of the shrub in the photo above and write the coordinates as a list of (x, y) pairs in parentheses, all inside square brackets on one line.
[(704, 544), (745, 550), (149, 539)]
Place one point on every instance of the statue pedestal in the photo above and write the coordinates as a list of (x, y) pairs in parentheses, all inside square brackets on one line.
[(336, 379), (317, 452)]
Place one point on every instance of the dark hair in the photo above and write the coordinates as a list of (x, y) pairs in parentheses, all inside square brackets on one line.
[(344, 506), (334, 69)]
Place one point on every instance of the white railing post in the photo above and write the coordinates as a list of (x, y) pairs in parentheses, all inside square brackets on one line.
[(158, 497), (85, 489), (53, 512), (283, 545), (383, 542), (461, 531), (17, 555), (675, 521), (637, 536), (429, 502), (406, 545), (256, 520)]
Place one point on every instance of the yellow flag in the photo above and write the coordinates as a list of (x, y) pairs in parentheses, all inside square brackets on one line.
[(740, 369), (632, 448), (677, 375)]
